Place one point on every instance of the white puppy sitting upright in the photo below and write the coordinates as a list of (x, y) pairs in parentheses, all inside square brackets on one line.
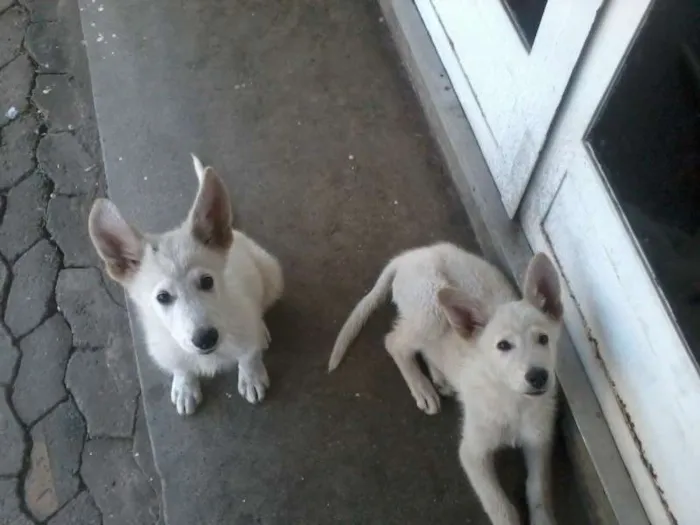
[(497, 352), (201, 291)]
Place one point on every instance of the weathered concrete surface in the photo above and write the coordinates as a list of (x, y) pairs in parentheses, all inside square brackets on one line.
[(47, 10), (305, 111), (118, 486), (50, 171), (61, 216), (15, 81), (72, 168), (31, 291), (81, 510), (8, 357), (53, 477), (55, 97), (23, 223), (11, 439), (95, 318), (17, 149), (44, 44), (12, 28), (105, 388), (39, 383), (10, 504)]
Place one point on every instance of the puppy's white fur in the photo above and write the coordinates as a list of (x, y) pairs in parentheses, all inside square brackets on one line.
[(246, 282), (478, 339)]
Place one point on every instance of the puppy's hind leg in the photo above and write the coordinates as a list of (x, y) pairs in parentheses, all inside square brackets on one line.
[(271, 272), (479, 467), (401, 344)]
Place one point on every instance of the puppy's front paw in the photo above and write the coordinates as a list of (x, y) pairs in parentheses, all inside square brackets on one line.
[(185, 394), (253, 382), (427, 399)]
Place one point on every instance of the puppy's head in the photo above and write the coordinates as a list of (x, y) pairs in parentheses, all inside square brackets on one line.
[(518, 341), (178, 275)]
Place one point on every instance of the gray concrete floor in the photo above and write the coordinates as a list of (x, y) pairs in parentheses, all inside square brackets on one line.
[(304, 109)]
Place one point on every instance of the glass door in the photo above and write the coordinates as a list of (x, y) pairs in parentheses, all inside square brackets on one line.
[(615, 199)]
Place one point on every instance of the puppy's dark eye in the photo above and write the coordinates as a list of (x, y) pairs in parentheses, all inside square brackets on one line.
[(206, 282), (504, 346), (543, 339), (164, 297)]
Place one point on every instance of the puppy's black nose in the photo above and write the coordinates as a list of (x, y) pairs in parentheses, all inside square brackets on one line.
[(537, 377), (205, 338)]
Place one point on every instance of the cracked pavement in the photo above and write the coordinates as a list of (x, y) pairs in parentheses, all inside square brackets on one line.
[(75, 447)]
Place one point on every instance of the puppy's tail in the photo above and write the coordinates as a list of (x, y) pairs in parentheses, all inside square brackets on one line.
[(198, 167), (361, 313)]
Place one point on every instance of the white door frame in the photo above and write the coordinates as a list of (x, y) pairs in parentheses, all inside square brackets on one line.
[(513, 93), (632, 349), (636, 359)]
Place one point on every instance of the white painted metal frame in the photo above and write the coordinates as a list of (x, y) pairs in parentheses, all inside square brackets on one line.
[(646, 381), (509, 94), (636, 359)]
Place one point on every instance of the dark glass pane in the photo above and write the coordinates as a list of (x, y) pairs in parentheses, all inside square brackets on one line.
[(647, 140), (526, 15)]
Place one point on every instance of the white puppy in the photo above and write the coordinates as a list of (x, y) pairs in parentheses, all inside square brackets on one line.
[(496, 351), (201, 291)]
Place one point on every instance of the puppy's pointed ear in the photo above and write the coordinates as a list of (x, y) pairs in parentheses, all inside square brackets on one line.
[(119, 245), (211, 216), (542, 288), (465, 314)]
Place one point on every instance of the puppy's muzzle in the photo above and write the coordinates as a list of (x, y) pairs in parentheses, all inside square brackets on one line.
[(205, 339)]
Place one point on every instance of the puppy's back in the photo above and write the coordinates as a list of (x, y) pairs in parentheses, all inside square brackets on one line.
[(470, 272)]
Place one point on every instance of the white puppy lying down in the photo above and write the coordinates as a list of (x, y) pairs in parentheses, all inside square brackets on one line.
[(497, 352)]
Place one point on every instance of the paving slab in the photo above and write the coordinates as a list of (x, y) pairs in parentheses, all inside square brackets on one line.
[(11, 439), (305, 111), (31, 290), (57, 442), (15, 83), (39, 382), (55, 97), (42, 432), (23, 223), (65, 161), (10, 512), (45, 43), (17, 149), (43, 10), (121, 490), (95, 318), (105, 387), (12, 22), (61, 216), (8, 357), (80, 511)]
